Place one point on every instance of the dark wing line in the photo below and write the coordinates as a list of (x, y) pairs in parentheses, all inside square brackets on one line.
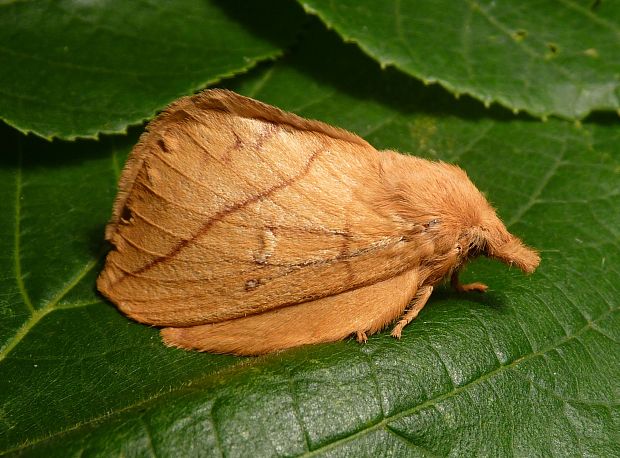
[(214, 99), (225, 212), (256, 145)]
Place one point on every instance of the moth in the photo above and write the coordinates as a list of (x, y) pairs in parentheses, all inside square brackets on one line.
[(240, 228)]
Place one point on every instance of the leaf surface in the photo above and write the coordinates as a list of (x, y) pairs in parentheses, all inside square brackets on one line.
[(544, 58), (75, 69), (530, 368)]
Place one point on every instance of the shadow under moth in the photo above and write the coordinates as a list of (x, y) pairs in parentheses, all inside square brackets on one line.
[(240, 228)]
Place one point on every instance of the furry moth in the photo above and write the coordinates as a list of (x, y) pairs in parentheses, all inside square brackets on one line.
[(240, 228)]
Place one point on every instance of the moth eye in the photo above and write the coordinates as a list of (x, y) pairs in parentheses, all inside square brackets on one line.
[(459, 248), (431, 223)]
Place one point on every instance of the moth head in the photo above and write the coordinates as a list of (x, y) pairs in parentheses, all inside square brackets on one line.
[(481, 231), (440, 199)]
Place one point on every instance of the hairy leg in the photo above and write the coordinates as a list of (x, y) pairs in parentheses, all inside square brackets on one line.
[(419, 301)]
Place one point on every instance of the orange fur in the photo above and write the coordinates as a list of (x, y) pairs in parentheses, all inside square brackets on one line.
[(234, 217), (361, 311)]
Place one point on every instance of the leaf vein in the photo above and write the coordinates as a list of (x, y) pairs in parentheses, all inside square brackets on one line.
[(536, 193), (528, 50), (457, 390), (36, 316), (409, 442), (19, 276), (589, 14)]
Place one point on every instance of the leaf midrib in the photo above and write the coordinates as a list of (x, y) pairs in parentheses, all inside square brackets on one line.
[(432, 401), (384, 423)]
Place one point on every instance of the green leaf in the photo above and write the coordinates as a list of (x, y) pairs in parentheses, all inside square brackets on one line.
[(74, 69), (544, 58), (530, 368)]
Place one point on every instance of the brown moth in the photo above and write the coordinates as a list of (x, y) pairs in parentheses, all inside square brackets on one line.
[(240, 228)]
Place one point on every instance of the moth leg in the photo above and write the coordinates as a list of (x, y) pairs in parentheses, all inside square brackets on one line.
[(419, 301), (457, 285), (361, 337)]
